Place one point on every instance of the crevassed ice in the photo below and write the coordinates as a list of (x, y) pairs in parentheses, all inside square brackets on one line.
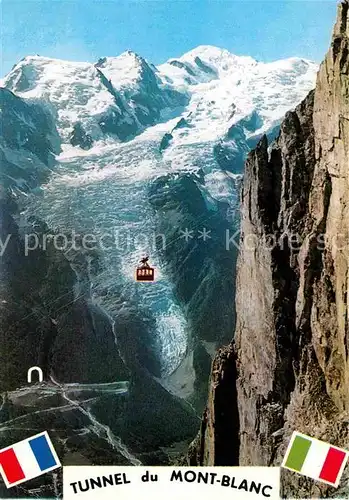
[(107, 194)]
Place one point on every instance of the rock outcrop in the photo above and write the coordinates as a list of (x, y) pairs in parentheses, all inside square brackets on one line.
[(79, 137), (29, 142), (288, 366)]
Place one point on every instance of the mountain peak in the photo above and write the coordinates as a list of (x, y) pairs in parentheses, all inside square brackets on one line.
[(38, 60), (126, 69), (208, 50), (205, 63), (126, 58), (342, 24), (133, 54), (215, 54)]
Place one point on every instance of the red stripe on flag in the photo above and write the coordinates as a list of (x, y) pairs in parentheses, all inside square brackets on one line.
[(11, 466), (332, 465)]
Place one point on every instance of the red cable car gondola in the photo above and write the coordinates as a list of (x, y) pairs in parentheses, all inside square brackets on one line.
[(144, 272)]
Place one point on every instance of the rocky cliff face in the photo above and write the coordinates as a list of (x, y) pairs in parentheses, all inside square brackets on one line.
[(287, 368)]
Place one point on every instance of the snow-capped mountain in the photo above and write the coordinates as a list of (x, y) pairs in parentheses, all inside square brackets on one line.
[(139, 85), (115, 97), (233, 101), (119, 97), (226, 89)]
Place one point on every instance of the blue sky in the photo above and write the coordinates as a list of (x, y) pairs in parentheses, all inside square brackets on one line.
[(85, 30)]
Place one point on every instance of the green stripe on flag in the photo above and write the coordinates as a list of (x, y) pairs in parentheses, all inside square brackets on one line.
[(298, 453)]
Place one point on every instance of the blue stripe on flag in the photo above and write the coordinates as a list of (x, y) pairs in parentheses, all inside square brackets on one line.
[(42, 452)]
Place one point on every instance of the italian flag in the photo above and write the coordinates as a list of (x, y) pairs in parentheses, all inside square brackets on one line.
[(316, 459)]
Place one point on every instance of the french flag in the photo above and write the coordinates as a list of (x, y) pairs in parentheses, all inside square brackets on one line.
[(28, 459)]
